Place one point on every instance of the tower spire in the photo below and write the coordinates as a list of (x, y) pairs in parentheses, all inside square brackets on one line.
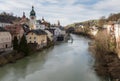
[(24, 15), (32, 7), (58, 23), (43, 18), (32, 13)]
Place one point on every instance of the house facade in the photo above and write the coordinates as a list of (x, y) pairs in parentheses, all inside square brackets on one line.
[(5, 40), (49, 35), (15, 30), (37, 37), (94, 30)]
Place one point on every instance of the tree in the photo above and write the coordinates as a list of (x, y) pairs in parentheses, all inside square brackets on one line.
[(15, 43), (102, 21), (114, 17), (23, 46)]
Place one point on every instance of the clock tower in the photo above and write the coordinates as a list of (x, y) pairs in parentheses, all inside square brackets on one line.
[(32, 19)]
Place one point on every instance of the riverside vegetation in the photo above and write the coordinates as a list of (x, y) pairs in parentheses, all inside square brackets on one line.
[(20, 49), (107, 61)]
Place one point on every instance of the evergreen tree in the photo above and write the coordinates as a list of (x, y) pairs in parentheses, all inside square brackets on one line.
[(23, 46), (15, 43)]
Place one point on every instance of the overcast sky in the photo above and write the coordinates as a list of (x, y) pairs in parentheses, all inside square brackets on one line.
[(67, 11)]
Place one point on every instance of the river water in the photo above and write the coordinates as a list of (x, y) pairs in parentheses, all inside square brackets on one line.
[(63, 62)]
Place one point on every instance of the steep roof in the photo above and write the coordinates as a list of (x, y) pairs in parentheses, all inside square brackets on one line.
[(50, 30), (38, 32)]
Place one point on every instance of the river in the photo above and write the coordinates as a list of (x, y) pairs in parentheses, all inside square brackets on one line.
[(63, 62)]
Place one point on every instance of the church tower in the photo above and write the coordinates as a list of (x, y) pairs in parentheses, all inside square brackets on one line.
[(32, 19)]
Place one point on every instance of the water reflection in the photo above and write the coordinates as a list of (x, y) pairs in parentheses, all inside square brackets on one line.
[(63, 62)]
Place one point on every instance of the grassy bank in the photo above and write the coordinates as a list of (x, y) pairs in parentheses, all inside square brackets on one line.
[(107, 62)]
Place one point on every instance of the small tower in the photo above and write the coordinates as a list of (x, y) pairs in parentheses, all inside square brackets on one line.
[(32, 19), (43, 20), (23, 20), (58, 23), (23, 17)]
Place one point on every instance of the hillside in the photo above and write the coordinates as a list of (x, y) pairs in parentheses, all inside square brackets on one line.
[(85, 23), (99, 22), (8, 18)]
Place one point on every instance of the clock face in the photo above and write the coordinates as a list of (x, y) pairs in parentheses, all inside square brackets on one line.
[(32, 17)]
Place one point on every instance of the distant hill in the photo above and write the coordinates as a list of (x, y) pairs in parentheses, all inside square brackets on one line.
[(85, 23), (8, 18), (98, 22)]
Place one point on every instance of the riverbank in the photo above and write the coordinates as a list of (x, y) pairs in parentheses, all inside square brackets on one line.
[(10, 58), (107, 63), (13, 56), (110, 66)]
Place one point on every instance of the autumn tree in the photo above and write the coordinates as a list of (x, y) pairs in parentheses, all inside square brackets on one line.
[(102, 21)]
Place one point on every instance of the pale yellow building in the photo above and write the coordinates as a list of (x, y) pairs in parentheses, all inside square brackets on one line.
[(38, 37)]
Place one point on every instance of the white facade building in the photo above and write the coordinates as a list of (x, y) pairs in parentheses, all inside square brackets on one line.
[(40, 26), (5, 40), (4, 24)]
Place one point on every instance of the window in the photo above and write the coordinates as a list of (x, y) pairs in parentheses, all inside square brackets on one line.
[(6, 46), (30, 37), (34, 37), (34, 41)]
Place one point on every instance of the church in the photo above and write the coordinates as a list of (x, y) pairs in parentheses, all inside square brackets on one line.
[(36, 37), (32, 23), (37, 24)]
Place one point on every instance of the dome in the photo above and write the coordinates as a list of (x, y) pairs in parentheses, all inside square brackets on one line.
[(32, 13)]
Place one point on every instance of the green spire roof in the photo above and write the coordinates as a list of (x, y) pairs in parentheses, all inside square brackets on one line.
[(32, 13)]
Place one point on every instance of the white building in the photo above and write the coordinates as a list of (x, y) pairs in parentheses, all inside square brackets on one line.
[(3, 24), (5, 40), (40, 26), (94, 30), (57, 31)]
